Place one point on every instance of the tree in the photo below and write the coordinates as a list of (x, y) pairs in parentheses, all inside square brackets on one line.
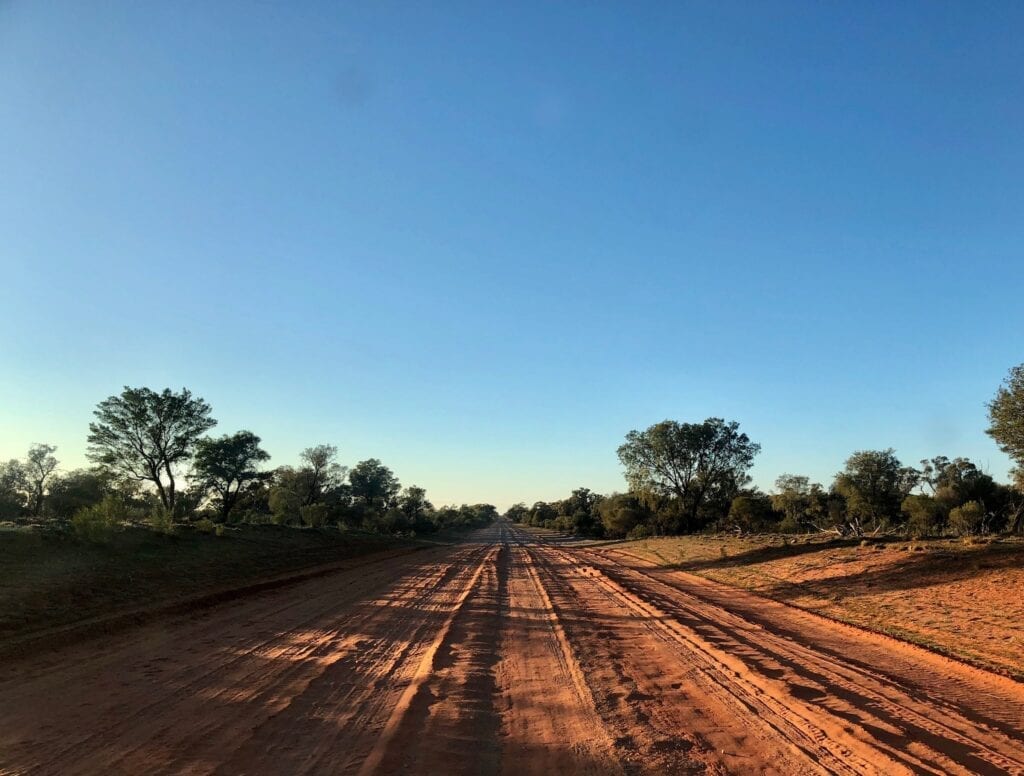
[(967, 519), (13, 489), (541, 513), (322, 471), (874, 484), (803, 504), (620, 513), (579, 512), (145, 435), (518, 513), (750, 511), (76, 490), (955, 482), (228, 464), (39, 466), (924, 514), (373, 485), (414, 504), (285, 505), (1006, 416), (694, 463)]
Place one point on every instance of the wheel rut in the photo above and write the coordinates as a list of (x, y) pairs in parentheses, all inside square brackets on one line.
[(504, 655)]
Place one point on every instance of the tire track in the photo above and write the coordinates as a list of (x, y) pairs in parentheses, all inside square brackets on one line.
[(654, 697), (173, 724), (914, 732)]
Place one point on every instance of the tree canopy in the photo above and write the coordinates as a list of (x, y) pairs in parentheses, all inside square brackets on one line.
[(39, 467), (227, 464), (145, 435), (694, 463), (874, 484), (373, 484), (1006, 416)]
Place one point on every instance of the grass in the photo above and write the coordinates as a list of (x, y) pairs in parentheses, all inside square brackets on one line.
[(961, 599), (51, 578)]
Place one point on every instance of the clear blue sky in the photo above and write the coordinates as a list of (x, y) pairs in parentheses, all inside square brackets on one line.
[(483, 241)]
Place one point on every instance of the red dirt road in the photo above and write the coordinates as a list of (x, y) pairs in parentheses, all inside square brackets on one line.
[(504, 655)]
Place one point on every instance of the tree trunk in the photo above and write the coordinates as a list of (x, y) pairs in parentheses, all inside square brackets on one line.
[(172, 497)]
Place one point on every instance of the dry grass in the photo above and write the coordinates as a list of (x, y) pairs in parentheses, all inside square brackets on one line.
[(963, 599)]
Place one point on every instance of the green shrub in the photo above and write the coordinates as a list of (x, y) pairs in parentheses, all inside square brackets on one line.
[(284, 505), (97, 522), (391, 522), (924, 515), (205, 526), (314, 515), (161, 520), (968, 519), (639, 532)]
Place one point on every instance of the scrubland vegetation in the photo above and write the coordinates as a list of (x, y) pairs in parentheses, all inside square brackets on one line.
[(166, 502), (156, 466), (687, 478)]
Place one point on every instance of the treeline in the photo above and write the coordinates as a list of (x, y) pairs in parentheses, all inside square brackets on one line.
[(156, 464), (693, 477)]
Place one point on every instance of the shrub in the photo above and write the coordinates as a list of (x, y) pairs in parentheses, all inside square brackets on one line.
[(924, 515), (97, 522), (161, 520), (391, 522), (205, 526), (968, 519), (749, 512), (639, 532), (790, 525), (284, 505), (314, 515)]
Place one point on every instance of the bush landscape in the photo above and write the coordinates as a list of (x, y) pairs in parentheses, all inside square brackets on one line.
[(169, 510)]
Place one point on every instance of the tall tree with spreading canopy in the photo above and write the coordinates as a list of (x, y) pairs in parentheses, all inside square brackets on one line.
[(1006, 419), (228, 464), (145, 435), (694, 463)]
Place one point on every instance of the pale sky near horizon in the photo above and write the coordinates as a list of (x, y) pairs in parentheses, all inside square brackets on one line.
[(483, 241)]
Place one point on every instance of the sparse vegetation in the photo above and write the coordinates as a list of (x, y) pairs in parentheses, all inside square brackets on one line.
[(922, 591)]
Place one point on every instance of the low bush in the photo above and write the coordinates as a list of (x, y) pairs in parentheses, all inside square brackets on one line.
[(924, 515), (640, 532), (314, 515), (968, 519), (161, 520), (96, 523)]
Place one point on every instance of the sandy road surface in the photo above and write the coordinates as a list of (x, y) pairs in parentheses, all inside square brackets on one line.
[(502, 655)]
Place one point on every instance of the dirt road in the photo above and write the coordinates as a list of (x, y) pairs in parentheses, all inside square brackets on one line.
[(504, 655)]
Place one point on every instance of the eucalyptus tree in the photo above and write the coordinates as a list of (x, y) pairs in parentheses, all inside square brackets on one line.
[(694, 464), (1006, 419)]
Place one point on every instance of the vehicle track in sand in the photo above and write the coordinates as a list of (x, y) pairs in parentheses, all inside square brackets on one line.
[(504, 655)]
